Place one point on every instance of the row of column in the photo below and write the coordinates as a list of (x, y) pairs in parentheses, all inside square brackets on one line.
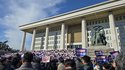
[(84, 35), (114, 38), (62, 42)]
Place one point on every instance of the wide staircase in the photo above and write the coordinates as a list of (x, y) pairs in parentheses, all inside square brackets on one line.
[(91, 50)]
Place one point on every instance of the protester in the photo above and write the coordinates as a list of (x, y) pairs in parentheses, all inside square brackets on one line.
[(87, 64), (61, 64), (36, 63), (120, 62), (59, 60), (70, 64), (1, 64), (27, 59), (96, 66), (106, 66)]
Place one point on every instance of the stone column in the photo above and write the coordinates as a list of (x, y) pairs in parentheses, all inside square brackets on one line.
[(62, 42), (23, 41), (46, 38), (113, 31), (33, 40), (66, 37), (84, 34)]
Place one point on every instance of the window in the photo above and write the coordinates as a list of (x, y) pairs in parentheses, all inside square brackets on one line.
[(50, 38), (55, 42), (51, 42), (106, 20), (56, 33), (36, 47), (48, 42), (106, 31), (110, 38), (116, 18), (95, 22), (123, 17), (107, 37), (88, 39), (37, 43), (43, 38), (90, 23), (111, 44), (38, 39), (117, 30), (42, 43), (102, 21), (120, 17), (58, 42), (90, 33), (58, 37), (99, 21), (109, 32)]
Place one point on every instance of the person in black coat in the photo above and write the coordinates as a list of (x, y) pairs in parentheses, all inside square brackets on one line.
[(27, 59), (87, 64), (36, 64)]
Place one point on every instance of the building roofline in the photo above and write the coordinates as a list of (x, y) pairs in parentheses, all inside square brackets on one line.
[(100, 7), (70, 12)]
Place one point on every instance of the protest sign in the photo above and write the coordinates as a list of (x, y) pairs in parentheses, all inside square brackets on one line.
[(98, 53), (101, 59), (114, 54), (45, 59), (81, 52)]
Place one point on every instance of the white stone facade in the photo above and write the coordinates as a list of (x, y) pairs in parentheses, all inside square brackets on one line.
[(54, 36), (109, 14)]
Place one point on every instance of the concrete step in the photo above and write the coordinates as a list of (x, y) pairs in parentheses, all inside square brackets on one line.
[(104, 49)]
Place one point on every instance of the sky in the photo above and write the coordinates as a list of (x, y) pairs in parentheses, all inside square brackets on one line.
[(14, 13)]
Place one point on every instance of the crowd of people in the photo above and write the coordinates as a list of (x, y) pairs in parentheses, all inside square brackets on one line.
[(57, 60)]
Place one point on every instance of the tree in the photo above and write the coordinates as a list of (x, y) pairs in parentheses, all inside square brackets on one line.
[(4, 46)]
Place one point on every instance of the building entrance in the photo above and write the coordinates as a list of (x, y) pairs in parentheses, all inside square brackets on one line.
[(74, 46)]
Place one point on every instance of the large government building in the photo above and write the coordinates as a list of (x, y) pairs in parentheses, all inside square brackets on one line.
[(75, 29)]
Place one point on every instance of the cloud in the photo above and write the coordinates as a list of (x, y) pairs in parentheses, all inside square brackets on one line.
[(21, 12)]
